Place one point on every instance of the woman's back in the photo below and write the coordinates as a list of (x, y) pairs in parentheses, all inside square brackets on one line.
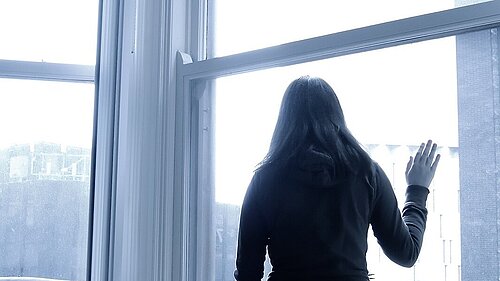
[(312, 199), (317, 224)]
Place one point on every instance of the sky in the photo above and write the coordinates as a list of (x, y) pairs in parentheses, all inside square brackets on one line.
[(35, 111), (35, 30), (45, 111)]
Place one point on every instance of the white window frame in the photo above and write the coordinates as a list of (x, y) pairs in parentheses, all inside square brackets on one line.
[(47, 71), (135, 234), (194, 135)]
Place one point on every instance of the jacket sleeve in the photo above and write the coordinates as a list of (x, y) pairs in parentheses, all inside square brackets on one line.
[(252, 237), (400, 234)]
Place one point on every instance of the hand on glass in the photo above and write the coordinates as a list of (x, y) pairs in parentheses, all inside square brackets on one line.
[(421, 169)]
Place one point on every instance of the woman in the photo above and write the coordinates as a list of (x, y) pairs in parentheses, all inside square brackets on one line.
[(316, 192)]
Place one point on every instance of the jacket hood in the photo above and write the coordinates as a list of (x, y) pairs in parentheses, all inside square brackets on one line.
[(315, 168)]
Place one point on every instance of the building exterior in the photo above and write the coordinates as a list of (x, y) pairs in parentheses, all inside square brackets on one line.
[(44, 161), (44, 207)]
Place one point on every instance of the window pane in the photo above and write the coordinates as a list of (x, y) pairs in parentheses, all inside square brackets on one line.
[(46, 131), (393, 99), (59, 31), (248, 25)]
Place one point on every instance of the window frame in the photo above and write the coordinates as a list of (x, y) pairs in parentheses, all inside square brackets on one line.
[(136, 227), (60, 72), (47, 71), (134, 73), (194, 136)]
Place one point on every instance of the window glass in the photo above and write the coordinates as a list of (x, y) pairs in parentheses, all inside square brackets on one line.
[(46, 130), (248, 25), (393, 99), (58, 31)]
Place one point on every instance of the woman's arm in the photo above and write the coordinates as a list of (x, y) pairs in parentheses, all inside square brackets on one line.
[(252, 237), (400, 234)]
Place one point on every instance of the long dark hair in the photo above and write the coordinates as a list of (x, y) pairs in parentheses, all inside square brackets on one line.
[(311, 115)]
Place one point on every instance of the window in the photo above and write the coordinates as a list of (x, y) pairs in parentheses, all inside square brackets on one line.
[(379, 92), (47, 61), (449, 57)]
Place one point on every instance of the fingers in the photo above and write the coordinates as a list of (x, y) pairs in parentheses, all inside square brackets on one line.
[(431, 155), (418, 155), (436, 162), (420, 170), (426, 152), (408, 166)]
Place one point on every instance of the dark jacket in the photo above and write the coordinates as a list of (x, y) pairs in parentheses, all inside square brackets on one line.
[(315, 225)]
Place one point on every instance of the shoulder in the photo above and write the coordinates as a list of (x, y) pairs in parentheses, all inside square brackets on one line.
[(375, 177), (268, 178), (270, 171)]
